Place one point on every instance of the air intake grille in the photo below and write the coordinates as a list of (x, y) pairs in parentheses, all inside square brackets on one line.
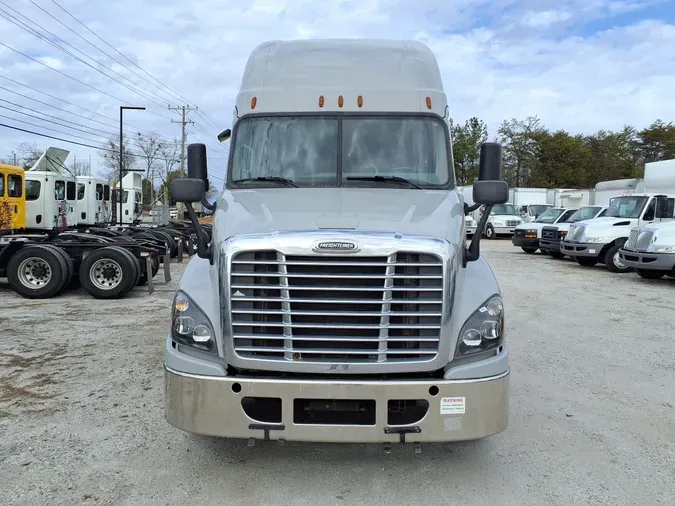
[(576, 232), (549, 233), (336, 308), (631, 243), (511, 223)]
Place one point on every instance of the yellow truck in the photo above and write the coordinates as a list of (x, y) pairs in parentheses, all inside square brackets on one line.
[(12, 199)]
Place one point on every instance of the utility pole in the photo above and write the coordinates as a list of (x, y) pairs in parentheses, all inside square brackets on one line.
[(183, 110)]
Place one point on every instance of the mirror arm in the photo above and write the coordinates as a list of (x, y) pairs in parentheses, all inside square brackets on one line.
[(203, 248), (469, 209), (472, 253), (207, 205)]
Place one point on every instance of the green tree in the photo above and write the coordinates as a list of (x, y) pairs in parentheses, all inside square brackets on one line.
[(467, 140), (562, 160), (147, 192), (657, 142), (164, 189), (519, 138), (613, 155)]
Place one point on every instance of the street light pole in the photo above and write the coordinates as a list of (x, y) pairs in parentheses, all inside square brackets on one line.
[(120, 192)]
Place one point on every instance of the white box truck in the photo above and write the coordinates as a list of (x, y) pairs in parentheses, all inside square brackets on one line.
[(599, 240), (337, 300), (650, 250), (530, 202)]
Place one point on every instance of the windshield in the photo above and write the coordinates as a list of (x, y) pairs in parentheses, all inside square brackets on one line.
[(626, 207), (549, 216), (536, 210), (585, 213), (308, 151), (504, 209)]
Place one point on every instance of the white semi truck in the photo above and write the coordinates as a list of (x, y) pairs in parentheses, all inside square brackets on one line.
[(337, 300), (650, 250), (599, 240)]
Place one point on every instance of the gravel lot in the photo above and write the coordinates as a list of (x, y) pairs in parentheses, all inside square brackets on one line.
[(592, 408)]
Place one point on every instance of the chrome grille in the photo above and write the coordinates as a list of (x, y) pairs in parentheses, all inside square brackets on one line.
[(632, 240), (511, 223), (356, 309)]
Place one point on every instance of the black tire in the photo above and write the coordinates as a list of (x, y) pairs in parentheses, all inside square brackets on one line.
[(556, 254), (28, 275), (529, 250), (587, 261), (612, 257), (651, 274), (490, 231), (170, 242), (119, 267), (671, 274), (138, 271), (69, 264)]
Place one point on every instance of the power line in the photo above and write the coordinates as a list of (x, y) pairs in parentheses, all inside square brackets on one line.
[(49, 115), (69, 103), (101, 50), (118, 52), (45, 127), (37, 34)]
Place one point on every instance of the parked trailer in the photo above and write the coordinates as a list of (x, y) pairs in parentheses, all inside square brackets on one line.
[(530, 202), (599, 240), (553, 234), (39, 267)]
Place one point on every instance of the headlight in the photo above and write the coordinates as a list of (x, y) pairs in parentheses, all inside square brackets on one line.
[(663, 249), (189, 325), (596, 239), (484, 330)]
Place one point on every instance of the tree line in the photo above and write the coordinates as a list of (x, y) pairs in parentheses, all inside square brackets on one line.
[(535, 156)]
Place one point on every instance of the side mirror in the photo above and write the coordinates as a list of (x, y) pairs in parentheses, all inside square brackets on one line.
[(196, 162), (490, 189), (187, 190), (224, 135)]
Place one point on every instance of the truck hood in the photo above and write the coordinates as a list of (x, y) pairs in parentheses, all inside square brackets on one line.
[(407, 211), (608, 227), (664, 233)]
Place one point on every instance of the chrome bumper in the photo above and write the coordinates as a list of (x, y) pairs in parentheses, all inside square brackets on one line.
[(212, 405)]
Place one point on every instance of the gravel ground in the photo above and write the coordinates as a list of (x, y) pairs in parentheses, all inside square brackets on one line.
[(592, 416)]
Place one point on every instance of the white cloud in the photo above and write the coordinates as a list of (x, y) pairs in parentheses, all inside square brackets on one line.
[(499, 59)]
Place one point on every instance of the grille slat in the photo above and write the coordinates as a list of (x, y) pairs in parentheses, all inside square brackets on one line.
[(349, 309), (272, 337)]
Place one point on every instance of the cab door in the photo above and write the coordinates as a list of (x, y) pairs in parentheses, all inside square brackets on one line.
[(12, 199)]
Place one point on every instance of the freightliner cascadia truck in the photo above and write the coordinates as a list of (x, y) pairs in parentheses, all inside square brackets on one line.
[(338, 299)]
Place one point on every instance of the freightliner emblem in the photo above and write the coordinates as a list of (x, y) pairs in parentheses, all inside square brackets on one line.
[(342, 246)]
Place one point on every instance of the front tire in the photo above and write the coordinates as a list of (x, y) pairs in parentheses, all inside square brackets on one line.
[(651, 274), (586, 261), (529, 250), (490, 232), (556, 254), (613, 261)]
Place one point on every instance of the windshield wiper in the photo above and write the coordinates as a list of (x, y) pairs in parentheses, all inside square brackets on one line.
[(275, 179), (395, 179)]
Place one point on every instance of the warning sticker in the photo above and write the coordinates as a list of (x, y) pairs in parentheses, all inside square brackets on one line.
[(453, 405)]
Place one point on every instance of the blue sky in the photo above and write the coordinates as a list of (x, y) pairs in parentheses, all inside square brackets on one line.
[(581, 65)]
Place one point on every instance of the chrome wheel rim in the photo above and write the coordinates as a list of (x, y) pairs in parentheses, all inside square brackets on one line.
[(34, 273), (106, 274)]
